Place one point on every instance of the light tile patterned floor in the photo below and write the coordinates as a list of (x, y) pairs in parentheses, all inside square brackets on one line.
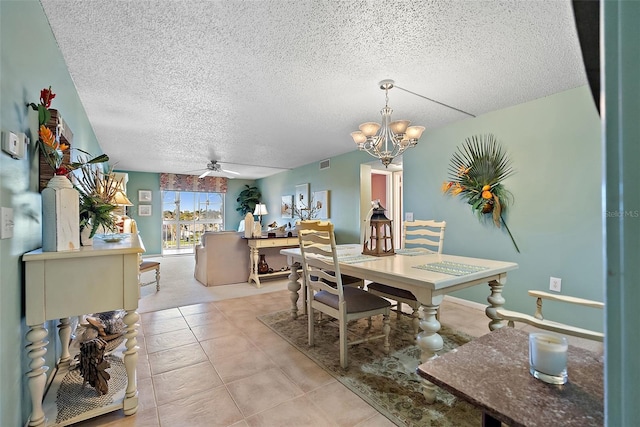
[(215, 364)]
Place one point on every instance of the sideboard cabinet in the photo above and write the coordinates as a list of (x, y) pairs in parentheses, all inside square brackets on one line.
[(61, 285)]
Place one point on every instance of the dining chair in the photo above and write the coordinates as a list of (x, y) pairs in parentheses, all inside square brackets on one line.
[(539, 321), (326, 293), (145, 266), (427, 235)]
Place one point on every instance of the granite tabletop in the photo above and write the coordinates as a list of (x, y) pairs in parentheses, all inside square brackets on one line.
[(492, 372)]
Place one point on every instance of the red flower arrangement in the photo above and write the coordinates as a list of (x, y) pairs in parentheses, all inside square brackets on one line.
[(49, 143)]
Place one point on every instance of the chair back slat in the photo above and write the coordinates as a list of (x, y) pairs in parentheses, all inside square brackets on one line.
[(428, 234), (317, 241)]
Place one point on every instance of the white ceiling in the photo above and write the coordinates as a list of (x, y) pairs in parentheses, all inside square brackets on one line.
[(169, 85)]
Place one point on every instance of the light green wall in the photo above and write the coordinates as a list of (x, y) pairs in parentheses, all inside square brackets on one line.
[(556, 217), (29, 61), (342, 180)]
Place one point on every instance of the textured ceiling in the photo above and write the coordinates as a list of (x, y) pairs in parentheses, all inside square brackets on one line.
[(168, 85)]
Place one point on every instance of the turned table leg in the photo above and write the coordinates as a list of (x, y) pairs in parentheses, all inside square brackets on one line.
[(430, 343), (64, 332), (496, 302), (37, 375), (294, 286), (130, 362)]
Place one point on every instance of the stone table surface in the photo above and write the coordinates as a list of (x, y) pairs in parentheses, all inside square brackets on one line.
[(492, 372)]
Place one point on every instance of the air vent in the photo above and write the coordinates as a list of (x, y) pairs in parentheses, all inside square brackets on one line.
[(325, 164)]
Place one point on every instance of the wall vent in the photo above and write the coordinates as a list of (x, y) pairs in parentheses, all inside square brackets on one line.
[(325, 164)]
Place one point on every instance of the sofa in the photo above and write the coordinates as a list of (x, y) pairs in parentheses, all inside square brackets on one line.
[(222, 258)]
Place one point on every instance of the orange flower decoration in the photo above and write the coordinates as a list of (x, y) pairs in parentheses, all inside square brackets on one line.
[(48, 137), (446, 186), (457, 189)]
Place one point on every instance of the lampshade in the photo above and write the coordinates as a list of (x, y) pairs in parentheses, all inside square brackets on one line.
[(261, 209), (120, 199)]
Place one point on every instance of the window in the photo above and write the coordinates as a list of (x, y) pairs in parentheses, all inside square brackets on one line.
[(186, 215)]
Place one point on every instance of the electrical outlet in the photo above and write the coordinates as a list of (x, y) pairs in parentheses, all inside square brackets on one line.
[(6, 223), (408, 216), (555, 284)]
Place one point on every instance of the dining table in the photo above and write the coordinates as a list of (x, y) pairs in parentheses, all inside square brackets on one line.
[(428, 276)]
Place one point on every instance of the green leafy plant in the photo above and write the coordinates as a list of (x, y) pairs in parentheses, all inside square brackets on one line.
[(247, 199), (98, 191), (476, 173), (95, 213)]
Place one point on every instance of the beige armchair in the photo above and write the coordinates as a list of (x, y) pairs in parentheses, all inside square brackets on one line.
[(222, 258)]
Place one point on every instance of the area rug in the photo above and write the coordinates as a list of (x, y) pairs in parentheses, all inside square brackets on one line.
[(387, 382)]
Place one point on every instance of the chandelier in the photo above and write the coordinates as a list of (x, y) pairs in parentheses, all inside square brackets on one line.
[(390, 139)]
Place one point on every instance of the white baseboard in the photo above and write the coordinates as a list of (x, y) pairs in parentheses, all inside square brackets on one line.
[(466, 303)]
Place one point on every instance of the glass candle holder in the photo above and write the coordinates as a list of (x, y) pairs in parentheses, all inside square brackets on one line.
[(548, 357)]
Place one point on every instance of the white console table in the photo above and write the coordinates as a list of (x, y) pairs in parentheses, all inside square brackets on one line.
[(60, 285), (257, 243)]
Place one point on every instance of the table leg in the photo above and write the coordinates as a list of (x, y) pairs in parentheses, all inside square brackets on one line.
[(294, 286), (130, 405), (37, 376), (430, 343), (253, 258), (496, 302), (64, 332)]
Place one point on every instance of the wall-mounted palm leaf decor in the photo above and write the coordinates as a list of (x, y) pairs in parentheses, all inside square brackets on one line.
[(476, 173)]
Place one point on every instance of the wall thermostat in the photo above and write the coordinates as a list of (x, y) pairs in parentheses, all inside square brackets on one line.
[(14, 144)]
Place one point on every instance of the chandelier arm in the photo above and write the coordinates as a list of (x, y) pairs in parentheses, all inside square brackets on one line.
[(437, 102)]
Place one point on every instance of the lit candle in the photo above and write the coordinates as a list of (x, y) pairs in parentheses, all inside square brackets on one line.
[(548, 357)]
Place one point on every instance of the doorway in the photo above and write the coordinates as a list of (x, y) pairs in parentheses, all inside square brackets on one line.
[(378, 182)]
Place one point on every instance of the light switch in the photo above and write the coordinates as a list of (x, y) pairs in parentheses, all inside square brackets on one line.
[(6, 223)]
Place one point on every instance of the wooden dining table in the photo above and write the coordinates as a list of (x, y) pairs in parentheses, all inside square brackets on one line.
[(429, 276)]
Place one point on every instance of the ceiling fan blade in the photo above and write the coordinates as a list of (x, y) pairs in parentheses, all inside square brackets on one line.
[(228, 171), (204, 174)]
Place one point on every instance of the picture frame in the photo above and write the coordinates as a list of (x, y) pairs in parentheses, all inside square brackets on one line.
[(144, 210), (144, 196), (286, 208), (302, 197), (321, 202)]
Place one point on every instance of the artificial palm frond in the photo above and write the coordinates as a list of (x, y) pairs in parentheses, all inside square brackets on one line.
[(476, 173)]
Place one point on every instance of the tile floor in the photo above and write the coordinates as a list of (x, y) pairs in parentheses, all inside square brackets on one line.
[(215, 364)]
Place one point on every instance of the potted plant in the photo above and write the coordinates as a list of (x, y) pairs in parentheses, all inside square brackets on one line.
[(97, 190), (247, 200), (95, 215)]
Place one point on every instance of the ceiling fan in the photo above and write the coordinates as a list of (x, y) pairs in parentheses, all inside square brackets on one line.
[(213, 166)]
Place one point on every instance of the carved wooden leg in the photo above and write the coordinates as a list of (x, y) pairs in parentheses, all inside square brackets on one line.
[(64, 332), (254, 255), (130, 362), (497, 301), (294, 286), (430, 342), (386, 329), (37, 375), (158, 278)]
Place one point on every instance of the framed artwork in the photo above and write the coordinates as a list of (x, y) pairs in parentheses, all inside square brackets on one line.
[(286, 209), (302, 197), (144, 196), (321, 203), (144, 210)]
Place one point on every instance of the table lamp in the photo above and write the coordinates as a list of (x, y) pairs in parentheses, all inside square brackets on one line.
[(261, 209)]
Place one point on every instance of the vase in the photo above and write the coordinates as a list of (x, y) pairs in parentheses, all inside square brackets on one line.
[(85, 240), (60, 216), (263, 267)]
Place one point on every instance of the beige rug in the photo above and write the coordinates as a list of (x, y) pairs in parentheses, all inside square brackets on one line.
[(388, 382)]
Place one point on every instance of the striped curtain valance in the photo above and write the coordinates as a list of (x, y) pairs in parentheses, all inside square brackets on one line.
[(208, 184)]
